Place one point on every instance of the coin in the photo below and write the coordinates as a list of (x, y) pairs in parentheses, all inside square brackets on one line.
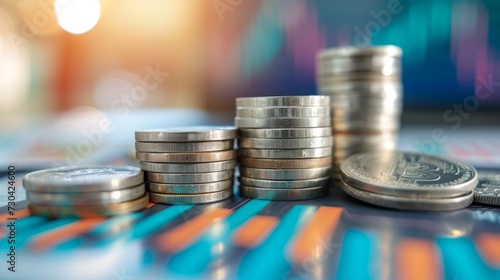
[(187, 157), (487, 190), (189, 178), (188, 167), (281, 122), (88, 198), (89, 211), (189, 188), (167, 147), (77, 179), (409, 203), (282, 194), (297, 184), (409, 174), (282, 112), (297, 143), (281, 154), (285, 174), (190, 198), (278, 133), (351, 51), (312, 100), (285, 163), (187, 134)]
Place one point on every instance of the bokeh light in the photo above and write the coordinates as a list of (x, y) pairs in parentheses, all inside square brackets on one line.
[(77, 16)]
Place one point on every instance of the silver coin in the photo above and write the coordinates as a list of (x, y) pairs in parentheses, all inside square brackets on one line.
[(376, 65), (89, 211), (298, 184), (356, 77), (189, 178), (369, 106), (189, 188), (171, 147), (298, 143), (366, 126), (285, 163), (204, 167), (88, 198), (285, 174), (375, 88), (89, 178), (310, 100), (187, 157), (281, 122), (352, 51), (284, 154), (190, 198), (186, 134), (279, 133), (409, 203), (487, 190), (282, 112), (282, 194), (409, 174)]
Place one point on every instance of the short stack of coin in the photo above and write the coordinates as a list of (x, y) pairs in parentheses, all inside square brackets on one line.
[(85, 191), (364, 85), (409, 181), (188, 165), (285, 146)]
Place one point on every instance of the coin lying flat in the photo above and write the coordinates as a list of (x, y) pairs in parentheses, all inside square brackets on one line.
[(190, 198), (88, 198), (297, 184), (78, 179), (285, 174), (487, 190), (312, 100), (89, 211), (281, 122), (282, 194), (285, 154), (189, 178), (297, 143), (282, 112), (409, 174), (278, 133), (389, 50), (285, 163), (409, 203), (187, 134), (187, 157), (167, 147), (204, 167), (190, 188)]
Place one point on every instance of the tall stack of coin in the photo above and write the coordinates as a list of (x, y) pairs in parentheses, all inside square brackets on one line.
[(364, 85), (285, 146), (409, 181), (85, 191), (188, 165)]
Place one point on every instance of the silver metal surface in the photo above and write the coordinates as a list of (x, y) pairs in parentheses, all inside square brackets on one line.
[(204, 167), (282, 194), (311, 100), (190, 188), (189, 178), (171, 147), (190, 198), (191, 157), (186, 134)]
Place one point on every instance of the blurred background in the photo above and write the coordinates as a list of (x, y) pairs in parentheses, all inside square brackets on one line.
[(95, 60)]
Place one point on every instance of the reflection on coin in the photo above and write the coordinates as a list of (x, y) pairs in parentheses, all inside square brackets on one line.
[(281, 122), (389, 50), (187, 157), (297, 184), (204, 167), (189, 178), (88, 198), (285, 163), (89, 211), (282, 112), (278, 133), (170, 147), (409, 174), (298, 143), (189, 188), (312, 100), (282, 154), (285, 174), (487, 190), (187, 134), (190, 198), (409, 203), (77, 179), (282, 194)]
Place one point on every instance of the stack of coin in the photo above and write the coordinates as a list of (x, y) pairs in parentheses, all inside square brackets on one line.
[(364, 85), (85, 191), (188, 165), (409, 181), (285, 146)]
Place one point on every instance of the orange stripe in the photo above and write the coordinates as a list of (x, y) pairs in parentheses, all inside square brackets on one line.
[(150, 205), (181, 236), (315, 236), (58, 235), (417, 259), (489, 246), (19, 214), (253, 232)]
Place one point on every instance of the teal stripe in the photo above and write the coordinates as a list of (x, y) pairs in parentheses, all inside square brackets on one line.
[(357, 256), (268, 261), (196, 258)]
